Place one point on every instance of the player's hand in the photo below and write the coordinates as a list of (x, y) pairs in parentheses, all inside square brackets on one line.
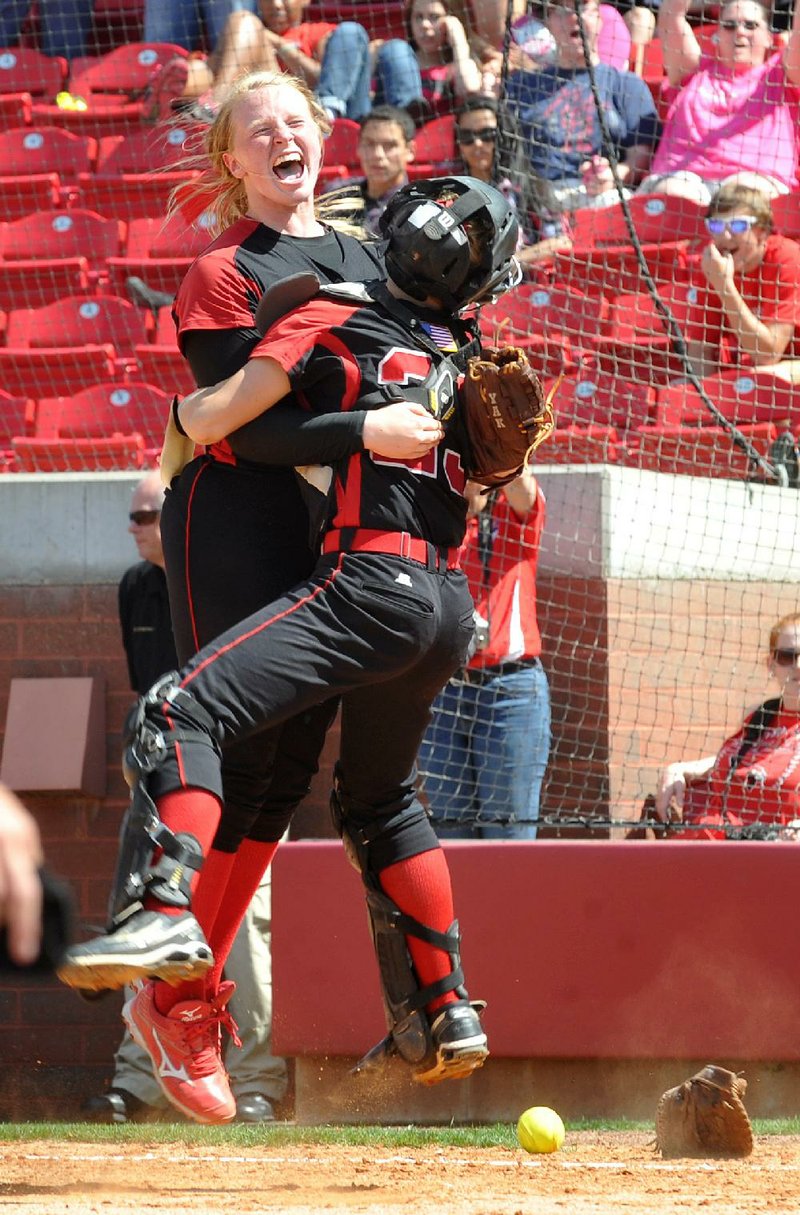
[(20, 885), (718, 268), (402, 430)]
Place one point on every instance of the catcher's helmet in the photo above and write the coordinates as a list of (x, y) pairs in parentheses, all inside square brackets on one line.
[(429, 252)]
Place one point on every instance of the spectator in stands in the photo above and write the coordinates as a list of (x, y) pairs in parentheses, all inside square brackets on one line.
[(747, 308), (434, 68), (183, 22), (385, 150), (736, 113), (332, 59), (754, 779), (257, 1077), (484, 755), (557, 113), (63, 28), (492, 151), (20, 886)]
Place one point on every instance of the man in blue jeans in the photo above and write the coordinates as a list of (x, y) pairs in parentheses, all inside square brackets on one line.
[(484, 756), (182, 21), (64, 25)]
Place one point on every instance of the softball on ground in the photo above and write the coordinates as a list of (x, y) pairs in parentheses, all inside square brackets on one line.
[(540, 1130)]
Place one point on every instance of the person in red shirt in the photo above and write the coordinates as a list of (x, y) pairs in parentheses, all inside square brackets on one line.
[(751, 787), (747, 309), (484, 756)]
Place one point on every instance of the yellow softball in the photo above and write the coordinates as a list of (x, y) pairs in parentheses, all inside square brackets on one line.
[(540, 1129)]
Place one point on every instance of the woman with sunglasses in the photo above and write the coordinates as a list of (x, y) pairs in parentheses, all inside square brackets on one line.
[(490, 146), (746, 309), (752, 785), (736, 112)]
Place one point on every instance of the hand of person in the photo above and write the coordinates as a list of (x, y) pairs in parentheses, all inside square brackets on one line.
[(671, 793), (20, 885), (717, 267), (454, 32), (597, 175), (402, 430)]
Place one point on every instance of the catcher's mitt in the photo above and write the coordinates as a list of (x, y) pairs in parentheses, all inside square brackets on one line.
[(705, 1116), (506, 412)]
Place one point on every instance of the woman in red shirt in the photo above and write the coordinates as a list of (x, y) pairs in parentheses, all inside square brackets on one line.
[(751, 787)]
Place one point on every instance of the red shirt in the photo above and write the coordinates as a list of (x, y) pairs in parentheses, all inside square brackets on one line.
[(505, 590), (771, 291), (764, 788), (308, 35)]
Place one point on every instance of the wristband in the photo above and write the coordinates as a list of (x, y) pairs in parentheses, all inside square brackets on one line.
[(176, 417)]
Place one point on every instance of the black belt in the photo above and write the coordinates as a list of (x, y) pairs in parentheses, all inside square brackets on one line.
[(486, 674)]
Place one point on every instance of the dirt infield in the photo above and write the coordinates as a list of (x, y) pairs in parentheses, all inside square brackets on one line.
[(594, 1174)]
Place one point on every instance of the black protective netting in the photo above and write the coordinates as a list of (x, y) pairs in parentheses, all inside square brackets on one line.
[(652, 153)]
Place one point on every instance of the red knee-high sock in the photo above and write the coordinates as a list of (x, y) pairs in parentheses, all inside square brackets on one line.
[(206, 900), (252, 861), (192, 811), (420, 886)]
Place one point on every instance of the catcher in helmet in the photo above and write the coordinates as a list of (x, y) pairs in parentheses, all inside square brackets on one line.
[(383, 622)]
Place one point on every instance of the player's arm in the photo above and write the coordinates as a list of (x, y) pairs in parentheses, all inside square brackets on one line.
[(680, 47), (521, 494), (209, 414), (791, 56)]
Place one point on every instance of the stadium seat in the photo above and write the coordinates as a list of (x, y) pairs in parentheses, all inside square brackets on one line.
[(107, 426), (29, 283), (434, 148), (34, 151), (592, 397), (637, 344), (556, 312), (741, 395), (55, 370), (158, 252), (135, 173), (166, 367), (580, 445), (20, 196), (52, 236), (26, 74), (341, 146), (114, 86), (698, 451), (16, 420), (80, 321)]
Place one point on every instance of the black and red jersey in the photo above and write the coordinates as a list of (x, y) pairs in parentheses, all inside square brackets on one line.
[(342, 355)]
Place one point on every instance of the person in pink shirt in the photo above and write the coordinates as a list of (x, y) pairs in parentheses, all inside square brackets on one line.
[(736, 114)]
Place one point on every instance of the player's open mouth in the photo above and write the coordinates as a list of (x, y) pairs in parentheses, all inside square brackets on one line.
[(289, 167)]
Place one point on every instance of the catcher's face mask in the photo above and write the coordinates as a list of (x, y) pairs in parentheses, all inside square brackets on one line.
[(429, 249)]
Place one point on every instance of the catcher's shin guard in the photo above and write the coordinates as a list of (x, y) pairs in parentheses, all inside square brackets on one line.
[(449, 1043), (147, 748)]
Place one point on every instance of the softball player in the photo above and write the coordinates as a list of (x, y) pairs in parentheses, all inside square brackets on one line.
[(384, 620)]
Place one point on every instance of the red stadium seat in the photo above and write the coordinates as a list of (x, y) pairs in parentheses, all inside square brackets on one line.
[(46, 150), (741, 396), (637, 344), (20, 196), (553, 311), (114, 87), (132, 196), (580, 445), (23, 70), (107, 426), (159, 252), (166, 333), (166, 367), (147, 150), (341, 146), (56, 235), (434, 147), (698, 451), (81, 321), (15, 110), (593, 397), (29, 283), (16, 420), (55, 370), (786, 213)]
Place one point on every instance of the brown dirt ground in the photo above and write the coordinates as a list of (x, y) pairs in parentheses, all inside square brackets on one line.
[(593, 1174)]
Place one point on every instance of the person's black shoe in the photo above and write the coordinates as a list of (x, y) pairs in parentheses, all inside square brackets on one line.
[(116, 1106), (147, 297), (254, 1107)]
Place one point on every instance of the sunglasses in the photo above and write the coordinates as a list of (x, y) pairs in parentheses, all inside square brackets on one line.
[(730, 26), (485, 135), (786, 658), (142, 517), (736, 227)]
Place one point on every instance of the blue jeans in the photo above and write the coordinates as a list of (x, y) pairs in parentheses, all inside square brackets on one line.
[(179, 21), (484, 755), (397, 78), (345, 77), (63, 25)]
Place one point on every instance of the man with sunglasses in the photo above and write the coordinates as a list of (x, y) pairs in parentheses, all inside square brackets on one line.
[(746, 311), (751, 787), (736, 112)]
